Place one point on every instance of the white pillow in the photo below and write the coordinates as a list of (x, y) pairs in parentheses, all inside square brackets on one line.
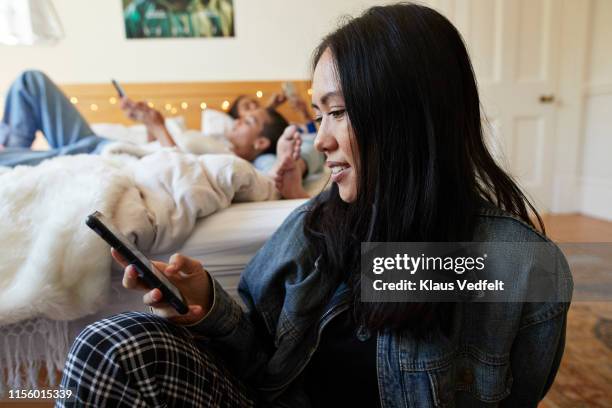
[(136, 133), (193, 142), (216, 123)]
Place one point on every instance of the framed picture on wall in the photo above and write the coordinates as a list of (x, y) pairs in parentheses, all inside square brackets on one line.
[(178, 18)]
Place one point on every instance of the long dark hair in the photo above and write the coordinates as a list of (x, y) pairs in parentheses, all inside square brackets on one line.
[(423, 168)]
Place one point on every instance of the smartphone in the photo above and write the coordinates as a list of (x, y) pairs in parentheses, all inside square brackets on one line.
[(118, 87), (289, 89), (145, 268)]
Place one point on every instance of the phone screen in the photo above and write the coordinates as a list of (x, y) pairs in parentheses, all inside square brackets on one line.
[(145, 261)]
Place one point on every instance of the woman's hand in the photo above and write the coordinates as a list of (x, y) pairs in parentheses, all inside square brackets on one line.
[(141, 112), (153, 120), (276, 100), (299, 105), (187, 274)]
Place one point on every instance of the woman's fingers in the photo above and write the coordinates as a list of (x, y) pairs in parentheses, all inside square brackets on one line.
[(131, 279), (160, 266), (177, 261), (117, 257), (182, 263), (152, 297), (126, 103)]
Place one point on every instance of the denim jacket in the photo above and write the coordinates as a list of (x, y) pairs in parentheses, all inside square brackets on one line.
[(498, 354)]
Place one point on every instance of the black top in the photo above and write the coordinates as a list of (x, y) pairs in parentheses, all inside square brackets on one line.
[(342, 371)]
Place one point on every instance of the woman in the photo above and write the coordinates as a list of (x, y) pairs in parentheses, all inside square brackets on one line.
[(400, 125)]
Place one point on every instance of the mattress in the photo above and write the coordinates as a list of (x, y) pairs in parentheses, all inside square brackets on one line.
[(225, 241)]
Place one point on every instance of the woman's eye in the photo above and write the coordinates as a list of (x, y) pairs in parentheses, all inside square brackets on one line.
[(318, 119), (337, 113)]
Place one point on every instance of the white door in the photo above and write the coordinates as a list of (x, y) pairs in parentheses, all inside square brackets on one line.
[(513, 45)]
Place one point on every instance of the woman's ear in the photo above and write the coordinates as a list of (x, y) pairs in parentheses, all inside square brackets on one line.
[(261, 144)]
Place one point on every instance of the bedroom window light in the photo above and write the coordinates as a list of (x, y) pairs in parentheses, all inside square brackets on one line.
[(29, 22)]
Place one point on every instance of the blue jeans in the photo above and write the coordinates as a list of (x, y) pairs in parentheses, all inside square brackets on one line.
[(35, 103)]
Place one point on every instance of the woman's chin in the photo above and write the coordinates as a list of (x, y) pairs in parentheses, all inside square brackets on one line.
[(348, 195)]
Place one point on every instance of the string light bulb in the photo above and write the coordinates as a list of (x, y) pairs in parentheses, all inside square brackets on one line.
[(203, 105), (74, 100), (259, 94), (93, 107), (184, 105), (168, 107), (151, 104), (112, 100), (173, 111), (309, 91), (225, 105)]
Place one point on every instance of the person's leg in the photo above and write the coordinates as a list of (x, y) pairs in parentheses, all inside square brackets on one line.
[(17, 156), (35, 103), (141, 360)]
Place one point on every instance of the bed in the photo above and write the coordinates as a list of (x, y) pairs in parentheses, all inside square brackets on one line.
[(224, 241)]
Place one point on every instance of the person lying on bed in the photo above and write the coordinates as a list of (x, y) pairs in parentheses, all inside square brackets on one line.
[(35, 103), (252, 138), (244, 104)]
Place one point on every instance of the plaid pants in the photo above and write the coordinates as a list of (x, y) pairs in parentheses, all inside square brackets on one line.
[(141, 360)]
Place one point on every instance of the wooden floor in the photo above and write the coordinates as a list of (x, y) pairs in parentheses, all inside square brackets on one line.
[(585, 377)]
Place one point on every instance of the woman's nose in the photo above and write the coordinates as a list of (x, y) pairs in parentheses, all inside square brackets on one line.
[(325, 142)]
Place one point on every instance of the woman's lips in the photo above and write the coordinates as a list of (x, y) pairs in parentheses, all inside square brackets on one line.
[(339, 171)]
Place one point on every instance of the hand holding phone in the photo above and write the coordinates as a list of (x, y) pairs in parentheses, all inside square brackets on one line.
[(186, 274), (180, 290)]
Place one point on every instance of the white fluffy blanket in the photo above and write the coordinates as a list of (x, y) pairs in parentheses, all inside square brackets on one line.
[(54, 266)]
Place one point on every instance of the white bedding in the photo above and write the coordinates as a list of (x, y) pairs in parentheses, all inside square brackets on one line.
[(54, 266)]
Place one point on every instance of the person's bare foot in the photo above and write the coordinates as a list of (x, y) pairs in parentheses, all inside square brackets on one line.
[(288, 178), (287, 146)]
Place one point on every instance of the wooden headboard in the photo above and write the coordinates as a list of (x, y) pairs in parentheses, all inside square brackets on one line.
[(98, 102)]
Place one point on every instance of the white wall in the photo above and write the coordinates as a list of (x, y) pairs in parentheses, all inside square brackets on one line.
[(274, 40), (596, 176)]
